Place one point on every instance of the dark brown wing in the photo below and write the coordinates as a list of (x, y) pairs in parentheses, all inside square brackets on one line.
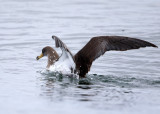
[(97, 46)]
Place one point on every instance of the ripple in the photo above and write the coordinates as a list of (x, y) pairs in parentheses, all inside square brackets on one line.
[(119, 82), (101, 80)]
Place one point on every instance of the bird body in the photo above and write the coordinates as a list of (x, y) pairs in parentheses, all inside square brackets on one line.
[(81, 62), (64, 64)]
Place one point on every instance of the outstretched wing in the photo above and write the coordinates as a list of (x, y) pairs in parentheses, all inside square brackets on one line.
[(97, 46), (60, 44), (66, 57)]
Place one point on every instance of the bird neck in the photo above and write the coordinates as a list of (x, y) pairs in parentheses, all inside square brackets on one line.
[(52, 58)]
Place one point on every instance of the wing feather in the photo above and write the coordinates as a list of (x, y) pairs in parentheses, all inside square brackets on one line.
[(97, 46), (60, 44)]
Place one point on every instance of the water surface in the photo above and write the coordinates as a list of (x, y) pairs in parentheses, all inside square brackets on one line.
[(119, 82)]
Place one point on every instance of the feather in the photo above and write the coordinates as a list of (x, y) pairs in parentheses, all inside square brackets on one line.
[(97, 46)]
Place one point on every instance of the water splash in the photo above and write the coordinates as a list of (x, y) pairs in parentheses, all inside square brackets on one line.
[(107, 80)]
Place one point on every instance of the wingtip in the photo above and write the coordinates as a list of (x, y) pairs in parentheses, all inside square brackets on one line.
[(53, 37), (154, 46)]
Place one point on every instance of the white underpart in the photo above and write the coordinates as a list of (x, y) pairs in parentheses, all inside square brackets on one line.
[(64, 64)]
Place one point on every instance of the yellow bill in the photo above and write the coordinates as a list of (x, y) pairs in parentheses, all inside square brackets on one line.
[(38, 57)]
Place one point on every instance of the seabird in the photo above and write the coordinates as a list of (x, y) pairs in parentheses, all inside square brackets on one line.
[(81, 62)]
